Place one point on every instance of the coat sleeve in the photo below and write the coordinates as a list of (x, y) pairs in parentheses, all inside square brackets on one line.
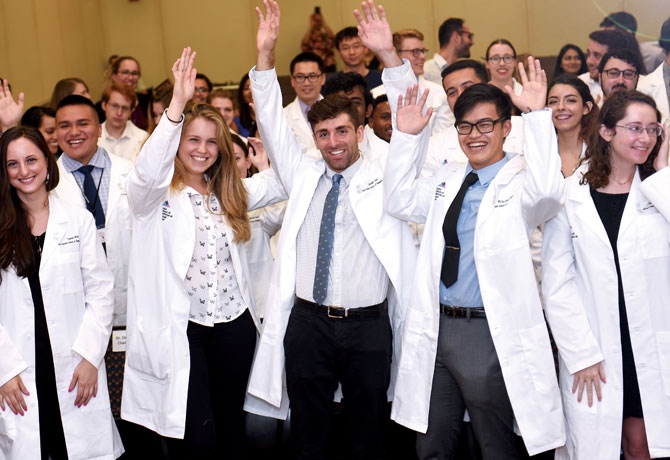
[(263, 189), (543, 181), (96, 326), (656, 188), (280, 141), (12, 363), (563, 304), (150, 180)]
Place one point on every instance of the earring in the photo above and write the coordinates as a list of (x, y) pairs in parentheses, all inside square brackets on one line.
[(47, 179)]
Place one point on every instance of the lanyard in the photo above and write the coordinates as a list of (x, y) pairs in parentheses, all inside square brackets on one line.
[(91, 206)]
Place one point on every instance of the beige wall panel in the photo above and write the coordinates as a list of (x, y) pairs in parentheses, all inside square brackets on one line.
[(650, 15)]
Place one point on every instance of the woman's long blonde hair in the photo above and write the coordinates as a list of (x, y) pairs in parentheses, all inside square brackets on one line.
[(224, 179)]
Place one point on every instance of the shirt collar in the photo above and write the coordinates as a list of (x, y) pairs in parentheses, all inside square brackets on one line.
[(304, 108), (125, 134), (440, 61), (487, 173), (100, 160)]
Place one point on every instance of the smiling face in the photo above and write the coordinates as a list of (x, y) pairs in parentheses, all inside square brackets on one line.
[(78, 129), (380, 122), (594, 54), (567, 107), (501, 71), (198, 148), (484, 149), (337, 139), (128, 73), (628, 148), (201, 90), (26, 168), (611, 85), (410, 44), (352, 51), (48, 130), (571, 62), (225, 107), (308, 91)]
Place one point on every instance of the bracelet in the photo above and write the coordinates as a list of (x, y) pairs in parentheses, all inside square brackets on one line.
[(175, 122)]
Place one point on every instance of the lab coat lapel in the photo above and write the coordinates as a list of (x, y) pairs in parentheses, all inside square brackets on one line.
[(56, 229), (633, 204), (586, 209)]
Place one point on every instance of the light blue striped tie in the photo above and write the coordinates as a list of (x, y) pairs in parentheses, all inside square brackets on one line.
[(326, 241)]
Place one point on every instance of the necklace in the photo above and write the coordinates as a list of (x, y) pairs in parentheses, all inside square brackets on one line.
[(39, 243), (624, 182)]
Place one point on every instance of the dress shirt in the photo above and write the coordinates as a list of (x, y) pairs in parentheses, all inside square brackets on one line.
[(432, 68), (465, 291), (304, 108), (128, 145), (210, 278), (102, 165), (356, 277), (594, 87)]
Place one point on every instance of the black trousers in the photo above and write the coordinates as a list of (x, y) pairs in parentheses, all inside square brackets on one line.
[(322, 352), (221, 358)]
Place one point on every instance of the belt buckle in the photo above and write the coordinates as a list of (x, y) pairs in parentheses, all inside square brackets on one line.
[(334, 308)]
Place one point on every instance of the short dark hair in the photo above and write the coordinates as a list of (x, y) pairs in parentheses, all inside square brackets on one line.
[(664, 39), (347, 32), (330, 107), (308, 56), (623, 21), (612, 39), (202, 76), (626, 55), (482, 93), (447, 29), (379, 100), (33, 116), (346, 82), (461, 64), (75, 99)]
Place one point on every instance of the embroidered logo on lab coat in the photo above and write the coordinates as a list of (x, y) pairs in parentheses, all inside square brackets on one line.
[(439, 190), (165, 210)]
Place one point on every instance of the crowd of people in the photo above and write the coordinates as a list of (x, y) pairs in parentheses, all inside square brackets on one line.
[(436, 240)]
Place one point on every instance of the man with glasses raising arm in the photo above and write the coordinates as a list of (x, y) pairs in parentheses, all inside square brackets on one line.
[(307, 78)]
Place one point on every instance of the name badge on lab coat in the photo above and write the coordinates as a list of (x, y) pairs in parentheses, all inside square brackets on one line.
[(119, 340)]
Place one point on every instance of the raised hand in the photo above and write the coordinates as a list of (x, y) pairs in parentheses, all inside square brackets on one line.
[(257, 154), (661, 160), (267, 35), (184, 84), (375, 33), (12, 393), (10, 110), (534, 94), (409, 118), (85, 378)]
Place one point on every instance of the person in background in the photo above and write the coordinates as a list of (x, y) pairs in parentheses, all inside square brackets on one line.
[(657, 83), (160, 98), (44, 120), (380, 121), (224, 102), (68, 86), (56, 306), (307, 79), (203, 86), (600, 42), (119, 136), (501, 64), (619, 70), (352, 52), (246, 120), (571, 61), (126, 70), (455, 39), (319, 40)]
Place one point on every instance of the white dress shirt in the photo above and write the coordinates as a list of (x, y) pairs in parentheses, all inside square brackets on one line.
[(128, 145), (432, 69), (356, 277)]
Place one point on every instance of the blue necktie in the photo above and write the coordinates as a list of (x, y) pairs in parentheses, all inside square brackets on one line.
[(326, 241), (93, 202)]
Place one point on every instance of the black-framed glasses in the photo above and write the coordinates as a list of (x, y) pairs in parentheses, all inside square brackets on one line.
[(416, 52), (507, 59), (484, 126), (654, 130), (614, 73), (312, 77)]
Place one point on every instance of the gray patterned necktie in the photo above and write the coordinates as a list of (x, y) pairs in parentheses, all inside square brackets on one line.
[(326, 241)]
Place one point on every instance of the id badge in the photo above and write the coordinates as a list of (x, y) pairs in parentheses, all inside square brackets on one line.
[(119, 340), (101, 236)]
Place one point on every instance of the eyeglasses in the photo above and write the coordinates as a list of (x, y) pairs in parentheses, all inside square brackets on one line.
[(470, 35), (484, 126), (312, 77), (201, 90), (128, 73), (507, 59), (417, 52), (117, 107), (654, 130), (614, 73)]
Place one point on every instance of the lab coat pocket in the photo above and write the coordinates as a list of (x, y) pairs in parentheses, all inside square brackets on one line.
[(149, 352), (655, 241), (539, 361), (663, 344), (7, 432)]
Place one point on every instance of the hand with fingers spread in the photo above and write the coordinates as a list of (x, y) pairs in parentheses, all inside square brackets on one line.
[(85, 378), (375, 33), (10, 110), (589, 377), (257, 154), (184, 84), (534, 94), (12, 393), (661, 160), (410, 118), (267, 35)]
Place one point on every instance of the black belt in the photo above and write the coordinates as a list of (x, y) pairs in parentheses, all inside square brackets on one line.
[(462, 312), (333, 311)]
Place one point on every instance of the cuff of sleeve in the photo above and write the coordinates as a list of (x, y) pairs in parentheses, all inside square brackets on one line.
[(407, 137), (262, 78), (13, 372), (95, 351), (396, 73)]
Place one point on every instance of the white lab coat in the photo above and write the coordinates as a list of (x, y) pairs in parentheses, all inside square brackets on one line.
[(389, 238), (594, 87), (296, 120), (526, 192), (77, 292), (157, 352), (118, 229), (653, 85), (582, 272)]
